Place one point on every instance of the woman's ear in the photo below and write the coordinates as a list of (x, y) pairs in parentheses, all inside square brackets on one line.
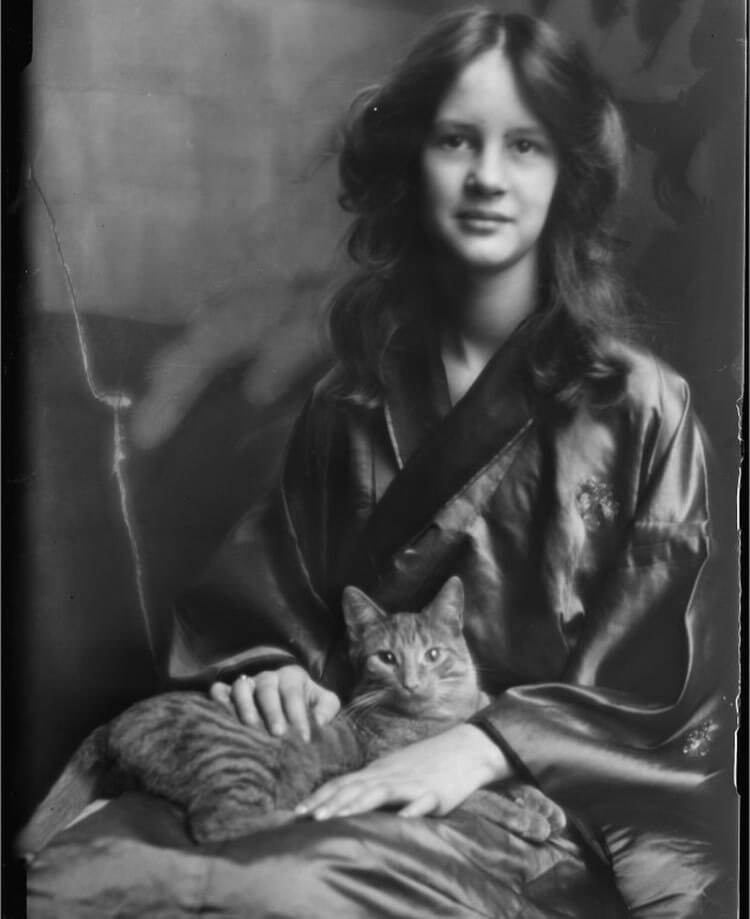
[(448, 605), (360, 613)]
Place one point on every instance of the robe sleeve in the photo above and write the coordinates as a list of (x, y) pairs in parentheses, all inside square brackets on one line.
[(638, 710), (261, 603)]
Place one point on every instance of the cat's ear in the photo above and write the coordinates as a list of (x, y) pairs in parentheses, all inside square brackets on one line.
[(448, 605), (360, 612)]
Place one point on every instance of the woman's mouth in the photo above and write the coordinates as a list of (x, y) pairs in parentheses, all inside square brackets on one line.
[(481, 221)]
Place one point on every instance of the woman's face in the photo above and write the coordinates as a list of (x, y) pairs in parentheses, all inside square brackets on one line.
[(489, 169)]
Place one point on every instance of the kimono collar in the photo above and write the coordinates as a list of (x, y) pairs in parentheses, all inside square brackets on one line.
[(416, 389), (440, 448), (417, 398)]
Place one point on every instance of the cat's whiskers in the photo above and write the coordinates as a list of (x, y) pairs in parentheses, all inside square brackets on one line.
[(365, 702), (445, 701)]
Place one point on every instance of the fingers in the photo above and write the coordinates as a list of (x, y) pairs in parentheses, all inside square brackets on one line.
[(315, 803), (429, 776), (238, 699), (222, 693), (357, 793), (341, 799), (324, 705), (330, 799), (425, 804), (242, 696), (293, 701), (355, 799), (278, 699), (285, 696), (269, 704)]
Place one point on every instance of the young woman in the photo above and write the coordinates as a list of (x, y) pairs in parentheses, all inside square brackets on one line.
[(484, 418)]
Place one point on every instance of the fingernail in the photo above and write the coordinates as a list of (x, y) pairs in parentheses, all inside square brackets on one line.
[(321, 813), (300, 809)]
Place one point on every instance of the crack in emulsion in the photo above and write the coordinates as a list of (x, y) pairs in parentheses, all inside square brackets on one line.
[(117, 402)]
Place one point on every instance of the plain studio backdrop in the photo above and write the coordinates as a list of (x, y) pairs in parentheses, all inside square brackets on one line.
[(178, 191)]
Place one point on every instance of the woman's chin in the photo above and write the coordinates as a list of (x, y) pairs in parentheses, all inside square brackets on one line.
[(483, 259)]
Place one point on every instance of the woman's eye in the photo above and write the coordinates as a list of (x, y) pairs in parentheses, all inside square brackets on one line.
[(387, 657), (433, 654), (524, 145), (452, 141)]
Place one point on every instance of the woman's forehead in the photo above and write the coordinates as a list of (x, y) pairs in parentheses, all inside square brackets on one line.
[(486, 91)]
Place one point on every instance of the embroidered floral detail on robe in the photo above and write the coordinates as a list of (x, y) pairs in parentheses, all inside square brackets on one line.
[(596, 503), (698, 741)]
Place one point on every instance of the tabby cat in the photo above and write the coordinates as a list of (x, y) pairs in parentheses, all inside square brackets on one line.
[(416, 678)]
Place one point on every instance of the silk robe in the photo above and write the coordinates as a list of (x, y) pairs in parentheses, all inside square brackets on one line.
[(582, 539)]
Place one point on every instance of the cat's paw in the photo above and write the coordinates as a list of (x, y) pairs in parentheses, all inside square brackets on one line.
[(518, 810), (532, 799)]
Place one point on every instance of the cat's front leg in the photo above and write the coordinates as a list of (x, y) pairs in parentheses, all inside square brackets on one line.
[(215, 826), (228, 810)]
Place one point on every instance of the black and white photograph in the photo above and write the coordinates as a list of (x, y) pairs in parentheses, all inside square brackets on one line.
[(373, 378)]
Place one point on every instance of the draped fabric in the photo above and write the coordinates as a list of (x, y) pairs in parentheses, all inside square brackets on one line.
[(582, 539)]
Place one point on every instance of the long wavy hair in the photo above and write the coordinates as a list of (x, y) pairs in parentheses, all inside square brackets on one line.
[(582, 304)]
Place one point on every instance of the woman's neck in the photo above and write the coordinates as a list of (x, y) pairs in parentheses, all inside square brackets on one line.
[(479, 314)]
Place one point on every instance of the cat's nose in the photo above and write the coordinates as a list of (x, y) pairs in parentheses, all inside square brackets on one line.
[(411, 685)]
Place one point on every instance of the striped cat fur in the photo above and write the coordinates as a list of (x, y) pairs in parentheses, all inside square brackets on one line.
[(416, 678)]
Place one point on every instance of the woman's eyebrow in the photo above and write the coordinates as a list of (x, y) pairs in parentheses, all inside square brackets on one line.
[(460, 124), (464, 124), (528, 128)]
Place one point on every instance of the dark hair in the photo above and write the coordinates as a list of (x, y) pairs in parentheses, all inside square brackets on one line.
[(379, 172)]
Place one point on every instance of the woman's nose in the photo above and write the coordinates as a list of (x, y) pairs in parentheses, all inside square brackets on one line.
[(488, 174)]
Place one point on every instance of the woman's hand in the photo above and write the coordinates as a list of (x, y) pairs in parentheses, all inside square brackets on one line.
[(279, 699), (429, 777)]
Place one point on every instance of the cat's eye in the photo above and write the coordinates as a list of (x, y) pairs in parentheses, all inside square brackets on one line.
[(387, 657), (433, 654)]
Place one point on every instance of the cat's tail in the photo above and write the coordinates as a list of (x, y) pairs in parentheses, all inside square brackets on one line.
[(81, 782)]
